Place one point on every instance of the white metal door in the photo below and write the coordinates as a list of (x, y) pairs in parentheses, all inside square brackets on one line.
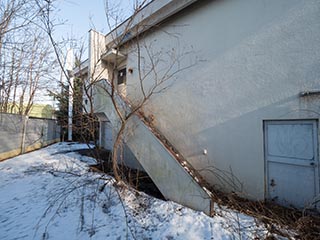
[(292, 169)]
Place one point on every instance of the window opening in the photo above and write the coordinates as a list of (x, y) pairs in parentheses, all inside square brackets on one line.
[(122, 75)]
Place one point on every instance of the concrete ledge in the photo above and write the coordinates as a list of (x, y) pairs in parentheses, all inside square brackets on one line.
[(10, 154), (39, 145), (17, 151)]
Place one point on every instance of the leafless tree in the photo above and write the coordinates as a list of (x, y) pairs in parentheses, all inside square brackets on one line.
[(156, 69), (25, 57), (83, 121), (14, 14)]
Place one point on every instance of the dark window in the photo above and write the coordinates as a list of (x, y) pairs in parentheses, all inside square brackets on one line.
[(122, 76)]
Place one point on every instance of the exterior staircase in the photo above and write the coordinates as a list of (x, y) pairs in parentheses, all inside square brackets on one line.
[(176, 179)]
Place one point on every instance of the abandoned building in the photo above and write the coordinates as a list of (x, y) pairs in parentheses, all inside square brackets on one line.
[(230, 92)]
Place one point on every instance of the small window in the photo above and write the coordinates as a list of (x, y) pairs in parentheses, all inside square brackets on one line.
[(122, 75)]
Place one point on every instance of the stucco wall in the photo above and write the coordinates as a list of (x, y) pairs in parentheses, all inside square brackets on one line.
[(249, 60)]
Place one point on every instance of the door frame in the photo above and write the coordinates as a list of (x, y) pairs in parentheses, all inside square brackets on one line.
[(315, 123)]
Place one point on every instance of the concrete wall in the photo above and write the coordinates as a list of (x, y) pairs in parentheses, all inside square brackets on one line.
[(103, 106), (11, 134), (174, 182), (16, 139), (248, 60)]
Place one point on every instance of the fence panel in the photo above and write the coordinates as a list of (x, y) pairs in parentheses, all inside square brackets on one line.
[(19, 134)]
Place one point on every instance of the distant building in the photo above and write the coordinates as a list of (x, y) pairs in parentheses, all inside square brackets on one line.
[(37, 110)]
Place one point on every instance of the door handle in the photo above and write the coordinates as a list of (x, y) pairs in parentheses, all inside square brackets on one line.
[(272, 183), (313, 164)]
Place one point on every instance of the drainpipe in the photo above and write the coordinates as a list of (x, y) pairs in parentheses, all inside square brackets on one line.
[(68, 66), (70, 108)]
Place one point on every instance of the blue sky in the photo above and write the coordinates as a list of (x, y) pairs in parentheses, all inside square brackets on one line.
[(82, 15), (79, 16)]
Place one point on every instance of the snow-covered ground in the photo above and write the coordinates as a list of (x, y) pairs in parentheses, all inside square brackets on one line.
[(50, 194)]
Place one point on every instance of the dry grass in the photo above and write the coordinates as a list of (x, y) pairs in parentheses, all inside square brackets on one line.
[(284, 221)]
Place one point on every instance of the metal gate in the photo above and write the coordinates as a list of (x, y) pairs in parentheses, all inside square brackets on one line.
[(292, 164)]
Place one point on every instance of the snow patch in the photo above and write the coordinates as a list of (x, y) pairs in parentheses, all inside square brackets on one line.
[(50, 194)]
